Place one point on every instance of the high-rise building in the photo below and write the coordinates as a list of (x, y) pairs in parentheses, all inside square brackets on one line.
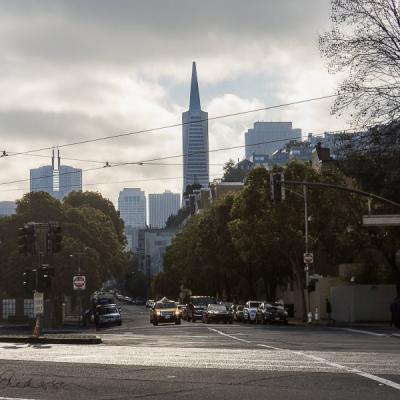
[(132, 209), (56, 179), (266, 137), (161, 206), (7, 208), (195, 139)]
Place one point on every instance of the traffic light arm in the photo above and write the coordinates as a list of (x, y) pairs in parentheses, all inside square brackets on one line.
[(342, 188)]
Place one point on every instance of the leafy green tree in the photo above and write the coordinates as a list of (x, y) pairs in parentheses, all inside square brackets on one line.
[(233, 173)]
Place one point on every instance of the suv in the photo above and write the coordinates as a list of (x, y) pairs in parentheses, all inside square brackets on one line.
[(196, 306), (270, 313), (165, 311), (107, 315)]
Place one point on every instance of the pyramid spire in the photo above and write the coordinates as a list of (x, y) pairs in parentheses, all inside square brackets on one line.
[(194, 91)]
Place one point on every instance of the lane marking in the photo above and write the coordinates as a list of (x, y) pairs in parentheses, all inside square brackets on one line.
[(13, 398), (363, 332), (321, 360)]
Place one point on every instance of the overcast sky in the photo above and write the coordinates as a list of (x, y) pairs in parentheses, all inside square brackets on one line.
[(74, 70)]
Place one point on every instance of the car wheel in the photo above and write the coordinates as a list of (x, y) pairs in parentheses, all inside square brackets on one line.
[(208, 320), (119, 323), (155, 322), (230, 321), (193, 320), (178, 322), (225, 322)]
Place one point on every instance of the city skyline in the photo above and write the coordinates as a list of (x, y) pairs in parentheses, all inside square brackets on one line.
[(58, 97)]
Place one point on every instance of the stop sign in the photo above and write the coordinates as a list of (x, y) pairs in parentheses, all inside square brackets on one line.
[(79, 282)]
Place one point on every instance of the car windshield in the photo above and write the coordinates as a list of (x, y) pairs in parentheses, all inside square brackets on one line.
[(217, 307), (166, 305), (254, 304), (108, 310)]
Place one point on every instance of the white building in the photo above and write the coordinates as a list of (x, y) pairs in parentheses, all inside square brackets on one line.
[(132, 209), (161, 206), (195, 139), (266, 137)]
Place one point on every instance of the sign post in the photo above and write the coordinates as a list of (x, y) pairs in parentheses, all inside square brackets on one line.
[(79, 284), (38, 310)]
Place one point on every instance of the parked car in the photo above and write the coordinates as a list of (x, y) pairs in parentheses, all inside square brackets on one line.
[(217, 313), (271, 313), (196, 306), (108, 314), (237, 311), (250, 310), (165, 310), (150, 303)]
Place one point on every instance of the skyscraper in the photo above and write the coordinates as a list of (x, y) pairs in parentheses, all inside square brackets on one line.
[(56, 179), (268, 132), (161, 206), (195, 139), (132, 209)]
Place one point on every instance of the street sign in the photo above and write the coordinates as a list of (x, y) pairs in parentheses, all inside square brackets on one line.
[(381, 220), (38, 303), (308, 258), (79, 282)]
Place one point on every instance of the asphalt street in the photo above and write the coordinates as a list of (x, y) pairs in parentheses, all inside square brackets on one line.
[(216, 361)]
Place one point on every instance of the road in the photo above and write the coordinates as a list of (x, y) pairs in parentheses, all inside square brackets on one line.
[(216, 361)]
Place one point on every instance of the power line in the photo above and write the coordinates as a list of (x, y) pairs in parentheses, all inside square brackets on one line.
[(176, 125), (149, 161)]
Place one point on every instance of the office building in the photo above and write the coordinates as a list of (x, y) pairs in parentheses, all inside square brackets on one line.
[(7, 208), (132, 209), (195, 139), (56, 179), (266, 137), (161, 206)]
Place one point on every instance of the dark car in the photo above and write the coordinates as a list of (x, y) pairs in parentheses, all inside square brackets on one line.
[(217, 313), (237, 312), (107, 315), (165, 311), (271, 313), (196, 306)]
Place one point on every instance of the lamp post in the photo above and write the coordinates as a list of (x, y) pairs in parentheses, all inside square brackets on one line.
[(307, 267)]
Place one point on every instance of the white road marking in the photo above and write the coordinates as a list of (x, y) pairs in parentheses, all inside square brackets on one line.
[(229, 336), (363, 332), (13, 398), (367, 375)]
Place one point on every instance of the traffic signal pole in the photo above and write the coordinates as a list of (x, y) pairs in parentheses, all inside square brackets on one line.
[(307, 267)]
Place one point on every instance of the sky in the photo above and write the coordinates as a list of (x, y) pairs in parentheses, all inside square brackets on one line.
[(77, 70)]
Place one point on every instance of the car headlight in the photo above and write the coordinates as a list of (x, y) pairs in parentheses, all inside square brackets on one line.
[(158, 312)]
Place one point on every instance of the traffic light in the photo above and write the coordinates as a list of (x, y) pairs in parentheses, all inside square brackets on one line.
[(27, 240), (28, 280), (54, 238), (45, 273), (277, 180)]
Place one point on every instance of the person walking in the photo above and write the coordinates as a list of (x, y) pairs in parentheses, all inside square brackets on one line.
[(328, 309)]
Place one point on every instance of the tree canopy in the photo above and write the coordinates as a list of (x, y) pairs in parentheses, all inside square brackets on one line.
[(364, 43)]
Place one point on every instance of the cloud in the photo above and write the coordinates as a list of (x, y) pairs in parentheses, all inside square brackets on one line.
[(72, 71)]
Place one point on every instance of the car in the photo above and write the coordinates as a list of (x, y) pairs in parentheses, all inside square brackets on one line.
[(271, 313), (196, 306), (237, 311), (217, 313), (182, 309), (150, 303), (250, 310), (108, 314), (140, 301), (165, 310)]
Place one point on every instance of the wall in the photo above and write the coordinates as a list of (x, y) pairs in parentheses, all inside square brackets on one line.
[(362, 303)]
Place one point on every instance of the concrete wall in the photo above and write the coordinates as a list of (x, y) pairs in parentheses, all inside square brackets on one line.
[(362, 303)]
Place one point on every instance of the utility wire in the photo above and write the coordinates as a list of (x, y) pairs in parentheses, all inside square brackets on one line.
[(176, 125)]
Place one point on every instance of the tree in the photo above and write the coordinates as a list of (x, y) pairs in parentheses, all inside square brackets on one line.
[(365, 43), (232, 172)]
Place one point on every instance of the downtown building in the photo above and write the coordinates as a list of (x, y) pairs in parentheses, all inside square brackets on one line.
[(161, 207), (56, 179), (266, 137), (132, 209), (195, 139), (7, 208)]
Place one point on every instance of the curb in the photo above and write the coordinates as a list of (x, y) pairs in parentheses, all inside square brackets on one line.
[(51, 339)]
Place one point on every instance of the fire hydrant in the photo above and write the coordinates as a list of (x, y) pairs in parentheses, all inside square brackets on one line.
[(309, 317)]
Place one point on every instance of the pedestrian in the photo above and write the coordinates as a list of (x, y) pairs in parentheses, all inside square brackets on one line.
[(328, 309)]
